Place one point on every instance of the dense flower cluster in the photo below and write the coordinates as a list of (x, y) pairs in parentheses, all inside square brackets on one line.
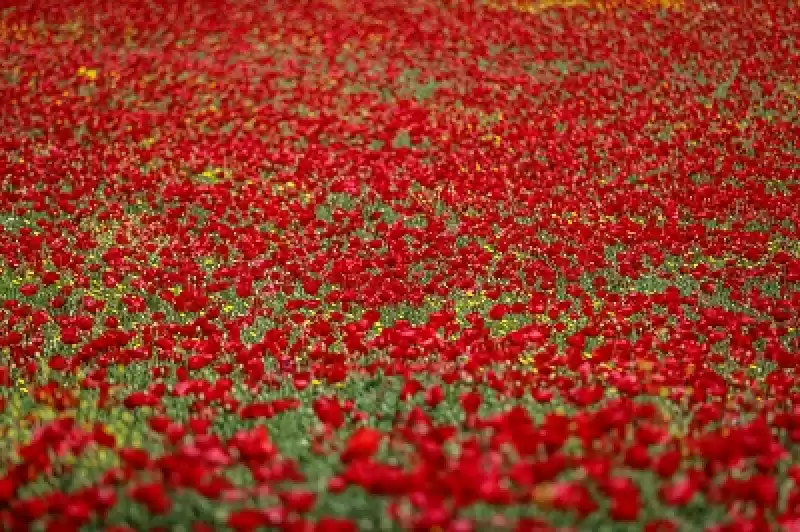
[(441, 265)]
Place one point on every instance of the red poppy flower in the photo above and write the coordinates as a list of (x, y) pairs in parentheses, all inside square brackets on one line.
[(363, 443)]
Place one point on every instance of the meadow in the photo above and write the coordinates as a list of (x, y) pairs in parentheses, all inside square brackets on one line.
[(430, 265)]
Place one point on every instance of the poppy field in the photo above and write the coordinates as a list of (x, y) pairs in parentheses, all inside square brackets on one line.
[(431, 265)]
